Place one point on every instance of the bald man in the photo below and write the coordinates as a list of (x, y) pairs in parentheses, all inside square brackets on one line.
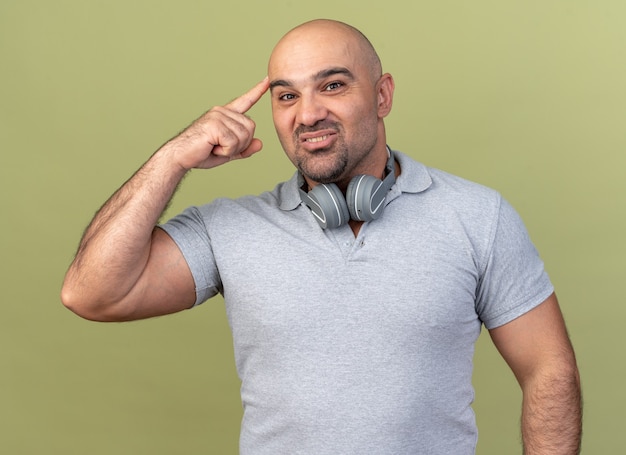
[(366, 278)]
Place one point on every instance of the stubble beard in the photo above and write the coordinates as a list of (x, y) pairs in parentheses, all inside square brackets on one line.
[(325, 165), (332, 164)]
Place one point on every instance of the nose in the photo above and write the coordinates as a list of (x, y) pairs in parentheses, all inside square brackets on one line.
[(311, 110)]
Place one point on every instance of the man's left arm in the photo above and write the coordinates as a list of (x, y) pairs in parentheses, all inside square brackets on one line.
[(537, 348)]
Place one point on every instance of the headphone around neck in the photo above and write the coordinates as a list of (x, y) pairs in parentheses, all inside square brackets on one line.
[(364, 200)]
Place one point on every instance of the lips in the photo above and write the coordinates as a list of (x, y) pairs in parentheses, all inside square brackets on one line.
[(317, 139)]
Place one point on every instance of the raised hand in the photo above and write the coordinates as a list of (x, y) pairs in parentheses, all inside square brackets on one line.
[(222, 134)]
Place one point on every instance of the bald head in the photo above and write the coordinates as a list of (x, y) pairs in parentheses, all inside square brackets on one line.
[(329, 99), (321, 36)]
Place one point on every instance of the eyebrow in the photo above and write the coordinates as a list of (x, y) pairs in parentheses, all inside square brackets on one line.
[(323, 74)]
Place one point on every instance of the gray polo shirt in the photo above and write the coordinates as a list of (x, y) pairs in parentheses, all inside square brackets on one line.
[(362, 345)]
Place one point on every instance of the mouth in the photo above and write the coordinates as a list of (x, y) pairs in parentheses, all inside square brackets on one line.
[(318, 139)]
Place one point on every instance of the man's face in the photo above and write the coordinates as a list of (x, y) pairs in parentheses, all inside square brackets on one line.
[(324, 105)]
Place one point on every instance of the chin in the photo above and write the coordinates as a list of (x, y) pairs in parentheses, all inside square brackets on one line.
[(324, 171)]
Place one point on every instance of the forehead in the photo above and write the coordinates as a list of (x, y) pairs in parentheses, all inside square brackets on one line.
[(302, 55)]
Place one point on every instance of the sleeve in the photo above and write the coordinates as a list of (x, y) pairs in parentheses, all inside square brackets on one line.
[(514, 279), (189, 232)]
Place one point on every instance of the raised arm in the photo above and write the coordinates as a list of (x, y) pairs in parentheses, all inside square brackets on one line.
[(125, 268), (537, 348)]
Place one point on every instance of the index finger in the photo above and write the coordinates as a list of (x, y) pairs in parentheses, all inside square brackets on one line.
[(250, 98)]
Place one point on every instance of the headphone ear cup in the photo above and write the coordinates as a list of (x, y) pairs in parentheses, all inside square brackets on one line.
[(363, 198), (328, 206)]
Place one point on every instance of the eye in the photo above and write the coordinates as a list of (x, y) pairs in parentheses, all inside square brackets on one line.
[(333, 86), (287, 97)]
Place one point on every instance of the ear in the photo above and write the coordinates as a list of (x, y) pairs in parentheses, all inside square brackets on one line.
[(385, 87)]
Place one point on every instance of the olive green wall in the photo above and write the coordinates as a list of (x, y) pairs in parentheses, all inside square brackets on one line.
[(528, 97)]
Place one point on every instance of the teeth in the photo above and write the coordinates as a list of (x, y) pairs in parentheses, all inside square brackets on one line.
[(317, 139)]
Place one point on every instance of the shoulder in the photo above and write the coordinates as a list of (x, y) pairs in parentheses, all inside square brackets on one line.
[(450, 184), (284, 196), (445, 191), (268, 205)]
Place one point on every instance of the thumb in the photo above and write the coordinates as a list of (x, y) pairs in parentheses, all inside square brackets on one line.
[(255, 146)]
